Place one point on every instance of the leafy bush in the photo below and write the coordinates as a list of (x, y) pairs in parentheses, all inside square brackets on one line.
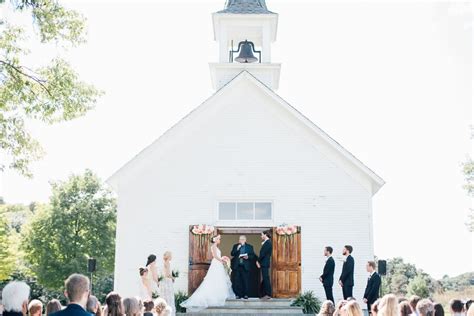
[(308, 301), (180, 297)]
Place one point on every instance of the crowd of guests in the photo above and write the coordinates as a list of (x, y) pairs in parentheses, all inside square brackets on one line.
[(15, 302), (391, 305)]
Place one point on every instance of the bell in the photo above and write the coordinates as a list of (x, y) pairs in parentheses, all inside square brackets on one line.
[(246, 53)]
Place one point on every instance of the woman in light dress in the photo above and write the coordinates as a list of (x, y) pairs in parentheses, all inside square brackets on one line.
[(216, 287), (166, 284), (146, 292), (152, 276)]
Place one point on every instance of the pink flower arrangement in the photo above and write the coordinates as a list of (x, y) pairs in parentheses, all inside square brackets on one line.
[(203, 230), (287, 230)]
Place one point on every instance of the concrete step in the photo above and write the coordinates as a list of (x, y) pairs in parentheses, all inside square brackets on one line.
[(239, 314), (274, 302), (225, 310)]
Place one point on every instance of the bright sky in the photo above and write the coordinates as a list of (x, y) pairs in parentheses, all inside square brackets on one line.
[(391, 82)]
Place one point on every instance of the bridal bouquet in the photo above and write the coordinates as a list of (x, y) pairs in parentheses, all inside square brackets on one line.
[(227, 267), (175, 274)]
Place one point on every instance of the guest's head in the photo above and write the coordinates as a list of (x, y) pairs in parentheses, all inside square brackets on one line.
[(15, 296), (93, 306), (160, 306), (413, 300), (35, 308), (149, 305), (388, 306), (53, 306), (425, 307), (405, 308), (114, 304), (438, 310), (131, 306), (456, 306), (216, 240), (347, 250), (327, 251), (150, 260), (242, 239), (327, 308), (374, 308), (352, 308), (77, 289), (167, 256), (370, 266)]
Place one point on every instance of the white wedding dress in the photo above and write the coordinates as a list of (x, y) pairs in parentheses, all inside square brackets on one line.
[(214, 290)]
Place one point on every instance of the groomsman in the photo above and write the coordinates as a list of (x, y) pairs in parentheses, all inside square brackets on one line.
[(371, 293), (346, 280), (263, 262), (327, 278)]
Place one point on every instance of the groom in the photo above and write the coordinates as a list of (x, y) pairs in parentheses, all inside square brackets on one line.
[(242, 253)]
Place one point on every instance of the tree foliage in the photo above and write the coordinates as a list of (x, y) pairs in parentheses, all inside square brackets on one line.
[(468, 171), (7, 259), (51, 93), (78, 224), (418, 286)]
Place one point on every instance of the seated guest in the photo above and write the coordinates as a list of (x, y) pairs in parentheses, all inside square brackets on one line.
[(77, 292), (374, 308), (405, 308), (161, 308), (388, 306), (425, 307), (413, 300), (438, 310), (457, 308), (93, 306), (35, 308), (53, 306), (327, 308), (114, 305), (149, 305), (15, 297), (339, 306), (352, 308), (131, 306)]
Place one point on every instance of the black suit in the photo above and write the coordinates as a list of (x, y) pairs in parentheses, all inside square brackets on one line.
[(241, 268), (72, 310), (371, 293), (264, 259), (328, 278), (347, 277)]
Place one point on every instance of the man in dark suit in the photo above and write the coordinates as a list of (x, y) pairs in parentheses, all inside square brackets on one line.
[(264, 263), (371, 293), (327, 278), (346, 280), (77, 292), (241, 253)]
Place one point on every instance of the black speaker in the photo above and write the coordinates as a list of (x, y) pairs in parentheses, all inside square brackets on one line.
[(91, 265), (382, 267)]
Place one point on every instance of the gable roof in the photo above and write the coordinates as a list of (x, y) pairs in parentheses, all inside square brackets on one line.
[(376, 180), (246, 7)]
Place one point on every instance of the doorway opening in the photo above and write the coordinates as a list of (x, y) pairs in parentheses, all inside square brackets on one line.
[(230, 237)]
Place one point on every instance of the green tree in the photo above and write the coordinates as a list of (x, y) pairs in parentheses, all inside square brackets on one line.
[(468, 171), (50, 93), (78, 224), (419, 286), (7, 259)]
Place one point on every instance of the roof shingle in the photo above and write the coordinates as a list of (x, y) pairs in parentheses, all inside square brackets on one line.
[(246, 7)]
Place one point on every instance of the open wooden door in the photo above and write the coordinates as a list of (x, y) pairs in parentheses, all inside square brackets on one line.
[(286, 264), (199, 259)]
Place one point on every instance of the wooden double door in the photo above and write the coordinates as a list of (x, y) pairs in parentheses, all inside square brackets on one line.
[(285, 269)]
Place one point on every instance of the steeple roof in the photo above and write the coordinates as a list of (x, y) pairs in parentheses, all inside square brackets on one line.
[(246, 7)]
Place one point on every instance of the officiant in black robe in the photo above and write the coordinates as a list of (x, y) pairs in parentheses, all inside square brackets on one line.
[(242, 256)]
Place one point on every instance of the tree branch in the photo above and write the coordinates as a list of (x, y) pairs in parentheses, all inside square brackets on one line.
[(21, 72)]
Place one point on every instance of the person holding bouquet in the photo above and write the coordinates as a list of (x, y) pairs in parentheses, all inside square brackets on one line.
[(166, 285)]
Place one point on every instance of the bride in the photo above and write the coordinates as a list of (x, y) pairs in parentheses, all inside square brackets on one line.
[(216, 287)]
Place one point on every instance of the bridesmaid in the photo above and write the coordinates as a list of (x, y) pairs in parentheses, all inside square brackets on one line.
[(146, 291), (152, 268), (166, 286)]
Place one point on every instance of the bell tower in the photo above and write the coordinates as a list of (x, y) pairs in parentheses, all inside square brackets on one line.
[(245, 30)]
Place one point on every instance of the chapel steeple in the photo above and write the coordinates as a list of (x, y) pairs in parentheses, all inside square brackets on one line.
[(245, 30)]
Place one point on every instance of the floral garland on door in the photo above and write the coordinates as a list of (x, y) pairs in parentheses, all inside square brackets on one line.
[(203, 232), (287, 233)]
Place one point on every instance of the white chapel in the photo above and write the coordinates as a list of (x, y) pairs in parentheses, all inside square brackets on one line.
[(241, 162)]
